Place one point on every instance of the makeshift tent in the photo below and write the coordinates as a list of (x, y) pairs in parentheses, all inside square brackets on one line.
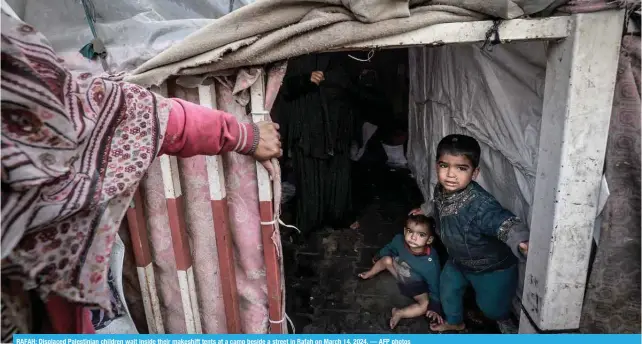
[(543, 165), (540, 109)]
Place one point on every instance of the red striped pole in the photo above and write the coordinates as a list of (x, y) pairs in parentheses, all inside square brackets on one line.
[(180, 241), (268, 225), (222, 232), (144, 267)]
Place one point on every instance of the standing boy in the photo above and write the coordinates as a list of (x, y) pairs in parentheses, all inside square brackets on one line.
[(484, 241)]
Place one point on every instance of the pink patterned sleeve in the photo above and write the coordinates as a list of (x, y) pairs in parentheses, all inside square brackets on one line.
[(197, 130)]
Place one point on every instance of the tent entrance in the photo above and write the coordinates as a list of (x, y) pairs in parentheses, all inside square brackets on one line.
[(445, 97), (323, 291)]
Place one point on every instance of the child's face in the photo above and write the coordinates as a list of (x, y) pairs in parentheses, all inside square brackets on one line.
[(417, 235), (455, 172)]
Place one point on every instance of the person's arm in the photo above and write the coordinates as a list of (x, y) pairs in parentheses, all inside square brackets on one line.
[(430, 273), (427, 208), (338, 77), (391, 249), (295, 86), (197, 130), (494, 220)]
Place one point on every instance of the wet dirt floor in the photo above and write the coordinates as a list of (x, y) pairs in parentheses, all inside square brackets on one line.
[(323, 292)]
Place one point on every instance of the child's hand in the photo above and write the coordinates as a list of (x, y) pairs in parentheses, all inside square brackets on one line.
[(523, 247), (416, 212), (434, 317)]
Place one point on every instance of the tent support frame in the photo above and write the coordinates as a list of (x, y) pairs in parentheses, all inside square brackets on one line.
[(515, 30), (578, 98), (582, 59)]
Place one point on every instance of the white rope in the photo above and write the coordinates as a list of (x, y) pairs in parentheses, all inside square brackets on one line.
[(277, 219), (370, 56), (282, 320)]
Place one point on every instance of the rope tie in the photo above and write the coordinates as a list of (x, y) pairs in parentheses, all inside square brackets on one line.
[(370, 56), (282, 320), (494, 32), (96, 46), (278, 219)]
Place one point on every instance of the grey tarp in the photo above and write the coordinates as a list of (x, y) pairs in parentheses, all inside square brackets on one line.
[(133, 31), (273, 30)]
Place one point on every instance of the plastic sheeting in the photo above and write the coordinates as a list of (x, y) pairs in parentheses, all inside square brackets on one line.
[(495, 97), (133, 31)]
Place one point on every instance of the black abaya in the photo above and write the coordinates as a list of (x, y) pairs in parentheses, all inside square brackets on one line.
[(318, 126)]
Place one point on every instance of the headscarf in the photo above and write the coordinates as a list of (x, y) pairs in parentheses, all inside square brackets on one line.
[(74, 149)]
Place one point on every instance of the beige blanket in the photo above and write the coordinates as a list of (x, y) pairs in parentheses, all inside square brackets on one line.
[(272, 30)]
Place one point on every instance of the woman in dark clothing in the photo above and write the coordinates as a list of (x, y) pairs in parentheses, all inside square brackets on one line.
[(318, 119)]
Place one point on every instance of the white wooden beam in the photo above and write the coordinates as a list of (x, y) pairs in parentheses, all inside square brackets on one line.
[(271, 253), (578, 97), (7, 8), (472, 32)]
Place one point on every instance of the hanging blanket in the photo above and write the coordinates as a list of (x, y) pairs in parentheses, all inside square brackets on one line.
[(273, 30)]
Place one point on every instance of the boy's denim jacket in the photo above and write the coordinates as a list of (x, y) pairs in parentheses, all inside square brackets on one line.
[(479, 234)]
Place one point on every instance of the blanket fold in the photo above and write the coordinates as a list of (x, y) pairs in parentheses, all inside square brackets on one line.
[(272, 30)]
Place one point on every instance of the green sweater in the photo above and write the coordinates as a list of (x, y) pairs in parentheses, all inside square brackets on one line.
[(422, 267)]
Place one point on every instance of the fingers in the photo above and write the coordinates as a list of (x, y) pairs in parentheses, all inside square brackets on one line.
[(524, 248), (269, 167), (269, 141), (274, 127), (270, 127), (435, 317)]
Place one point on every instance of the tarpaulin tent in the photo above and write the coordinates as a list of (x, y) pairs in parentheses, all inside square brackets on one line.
[(541, 109)]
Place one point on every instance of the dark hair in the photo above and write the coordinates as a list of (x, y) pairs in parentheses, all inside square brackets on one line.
[(422, 220), (456, 144)]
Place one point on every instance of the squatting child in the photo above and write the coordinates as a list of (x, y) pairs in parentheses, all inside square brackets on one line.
[(415, 266), (484, 241)]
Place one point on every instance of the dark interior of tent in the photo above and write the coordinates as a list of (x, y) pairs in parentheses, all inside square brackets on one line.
[(348, 189)]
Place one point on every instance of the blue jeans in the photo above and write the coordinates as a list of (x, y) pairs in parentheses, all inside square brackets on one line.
[(494, 292)]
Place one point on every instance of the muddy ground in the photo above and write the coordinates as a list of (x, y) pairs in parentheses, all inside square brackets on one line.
[(323, 292)]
